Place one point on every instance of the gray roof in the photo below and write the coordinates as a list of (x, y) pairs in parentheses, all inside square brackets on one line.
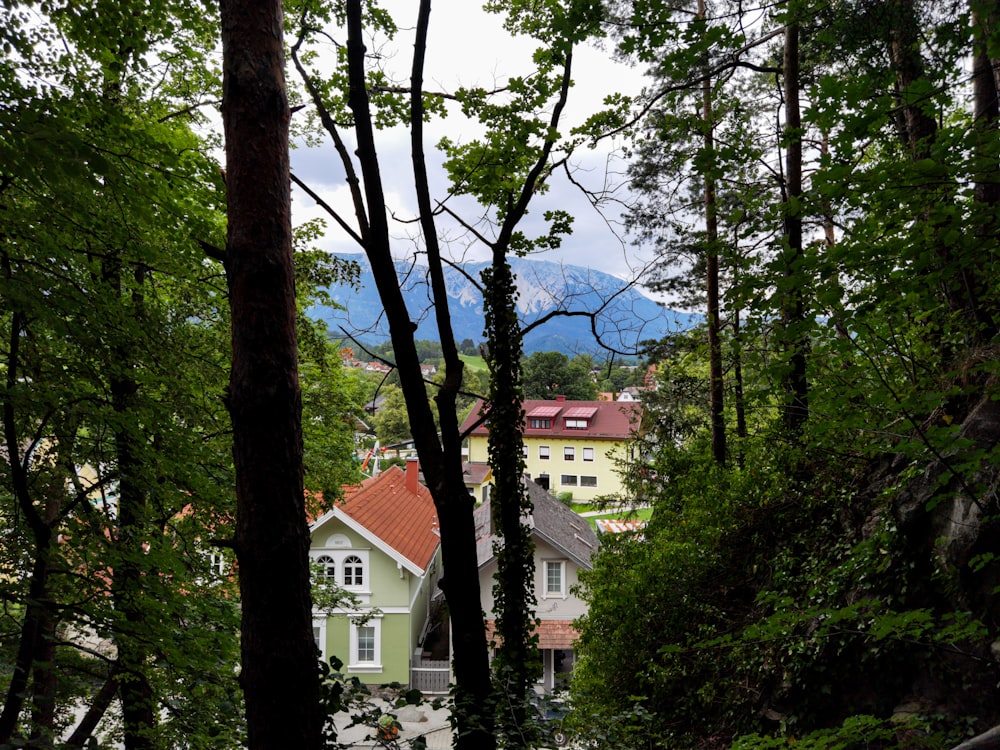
[(550, 521)]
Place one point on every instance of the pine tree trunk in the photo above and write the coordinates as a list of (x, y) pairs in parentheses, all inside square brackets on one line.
[(797, 343), (986, 102), (279, 671)]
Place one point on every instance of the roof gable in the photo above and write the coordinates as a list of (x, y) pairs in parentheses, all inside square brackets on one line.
[(401, 522), (550, 520)]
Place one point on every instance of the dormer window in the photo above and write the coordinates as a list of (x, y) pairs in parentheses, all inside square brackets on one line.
[(579, 417), (540, 418)]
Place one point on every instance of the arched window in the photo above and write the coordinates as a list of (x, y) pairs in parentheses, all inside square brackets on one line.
[(354, 574), (329, 565)]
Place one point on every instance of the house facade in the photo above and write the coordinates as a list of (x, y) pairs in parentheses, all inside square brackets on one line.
[(564, 543), (574, 447), (382, 545)]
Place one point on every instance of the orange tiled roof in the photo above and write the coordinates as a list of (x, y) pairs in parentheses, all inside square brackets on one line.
[(551, 633), (403, 519)]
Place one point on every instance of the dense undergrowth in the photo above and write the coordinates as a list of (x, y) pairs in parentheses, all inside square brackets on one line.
[(838, 608)]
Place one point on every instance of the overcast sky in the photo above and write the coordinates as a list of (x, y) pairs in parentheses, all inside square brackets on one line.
[(469, 47)]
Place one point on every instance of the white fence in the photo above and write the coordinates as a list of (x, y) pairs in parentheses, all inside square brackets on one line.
[(430, 676)]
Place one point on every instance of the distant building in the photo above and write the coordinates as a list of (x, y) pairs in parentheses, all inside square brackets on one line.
[(570, 446)]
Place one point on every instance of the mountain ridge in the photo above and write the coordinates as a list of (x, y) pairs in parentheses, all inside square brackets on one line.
[(595, 304)]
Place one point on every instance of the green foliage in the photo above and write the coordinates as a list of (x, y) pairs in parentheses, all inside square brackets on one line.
[(117, 504), (746, 608), (331, 405), (551, 374), (391, 423)]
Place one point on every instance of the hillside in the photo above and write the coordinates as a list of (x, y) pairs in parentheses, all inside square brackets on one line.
[(626, 316)]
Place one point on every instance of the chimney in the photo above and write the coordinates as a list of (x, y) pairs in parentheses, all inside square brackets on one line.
[(560, 398), (412, 474)]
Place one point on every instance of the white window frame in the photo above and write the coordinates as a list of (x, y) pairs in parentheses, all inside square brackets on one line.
[(548, 593), (569, 480), (569, 453), (358, 570), (319, 623), (588, 454), (355, 665), (333, 561), (544, 452), (585, 484), (577, 424), (329, 563)]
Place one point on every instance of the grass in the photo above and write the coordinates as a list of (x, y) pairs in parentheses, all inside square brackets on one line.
[(643, 514), (474, 362)]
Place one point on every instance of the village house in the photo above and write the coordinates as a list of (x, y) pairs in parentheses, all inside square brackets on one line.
[(564, 543), (575, 447), (382, 545)]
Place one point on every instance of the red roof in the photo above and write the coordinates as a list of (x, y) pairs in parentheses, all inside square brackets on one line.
[(543, 411), (551, 633), (607, 420), (402, 518)]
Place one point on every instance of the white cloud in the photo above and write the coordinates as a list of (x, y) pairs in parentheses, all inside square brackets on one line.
[(470, 47)]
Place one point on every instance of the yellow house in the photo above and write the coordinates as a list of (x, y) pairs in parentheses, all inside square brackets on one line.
[(569, 446)]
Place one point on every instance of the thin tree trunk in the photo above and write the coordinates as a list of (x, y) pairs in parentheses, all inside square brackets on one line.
[(796, 384), (41, 533), (715, 377), (440, 458), (738, 395), (279, 671), (128, 590), (518, 663), (986, 101), (958, 283), (43, 685), (95, 712)]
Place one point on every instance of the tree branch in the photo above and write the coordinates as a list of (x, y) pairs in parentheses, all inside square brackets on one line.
[(329, 209)]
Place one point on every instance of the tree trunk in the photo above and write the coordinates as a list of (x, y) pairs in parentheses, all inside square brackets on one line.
[(986, 102), (440, 458), (41, 532), (796, 409), (95, 712), (133, 531), (279, 671), (958, 282), (43, 685), (715, 376), (517, 665)]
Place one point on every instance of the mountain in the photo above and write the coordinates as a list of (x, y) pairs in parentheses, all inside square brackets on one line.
[(625, 318)]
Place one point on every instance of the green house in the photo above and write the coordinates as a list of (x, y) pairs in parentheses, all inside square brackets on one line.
[(382, 545)]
